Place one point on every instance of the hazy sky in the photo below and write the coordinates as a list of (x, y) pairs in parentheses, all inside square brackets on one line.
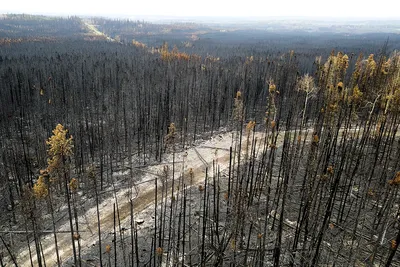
[(214, 8)]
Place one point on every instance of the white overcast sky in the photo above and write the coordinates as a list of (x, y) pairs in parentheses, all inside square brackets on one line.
[(212, 8)]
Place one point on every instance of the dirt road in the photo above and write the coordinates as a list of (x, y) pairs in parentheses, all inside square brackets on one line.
[(196, 158)]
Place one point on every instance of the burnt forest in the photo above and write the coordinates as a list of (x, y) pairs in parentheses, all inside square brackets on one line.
[(135, 143)]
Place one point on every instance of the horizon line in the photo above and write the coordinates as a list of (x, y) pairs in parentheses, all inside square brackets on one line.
[(196, 17)]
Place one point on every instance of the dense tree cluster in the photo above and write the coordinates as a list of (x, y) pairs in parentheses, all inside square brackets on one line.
[(31, 27)]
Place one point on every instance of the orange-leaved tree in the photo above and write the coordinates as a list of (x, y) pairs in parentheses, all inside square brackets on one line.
[(42, 190), (60, 151)]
